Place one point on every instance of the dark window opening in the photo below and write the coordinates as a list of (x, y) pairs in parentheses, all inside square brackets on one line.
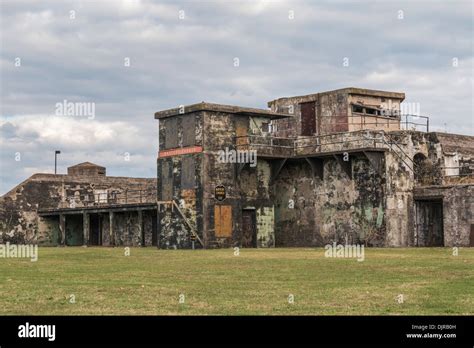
[(357, 108), (370, 111)]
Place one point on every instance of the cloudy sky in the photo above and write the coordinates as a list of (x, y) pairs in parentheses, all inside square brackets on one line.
[(132, 58)]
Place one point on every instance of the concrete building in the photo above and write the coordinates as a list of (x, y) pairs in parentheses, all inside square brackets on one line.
[(332, 166), (79, 209), (339, 166)]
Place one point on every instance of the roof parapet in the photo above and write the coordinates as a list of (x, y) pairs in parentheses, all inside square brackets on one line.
[(238, 110)]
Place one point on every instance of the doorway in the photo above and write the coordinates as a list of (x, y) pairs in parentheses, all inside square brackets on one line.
[(429, 223), (308, 119), (249, 229), (95, 236), (154, 229), (471, 240)]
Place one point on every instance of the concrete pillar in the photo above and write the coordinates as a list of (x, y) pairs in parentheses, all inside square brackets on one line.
[(111, 228), (62, 228), (140, 228), (86, 228)]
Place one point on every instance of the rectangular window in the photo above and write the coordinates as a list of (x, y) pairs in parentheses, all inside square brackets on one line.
[(357, 108), (370, 111), (100, 196)]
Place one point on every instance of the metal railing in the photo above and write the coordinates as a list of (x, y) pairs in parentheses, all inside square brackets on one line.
[(317, 143), (111, 197), (344, 141), (410, 122)]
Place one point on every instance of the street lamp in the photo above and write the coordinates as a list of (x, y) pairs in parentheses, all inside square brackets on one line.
[(56, 153)]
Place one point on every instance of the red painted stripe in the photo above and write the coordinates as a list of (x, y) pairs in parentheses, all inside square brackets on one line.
[(180, 151)]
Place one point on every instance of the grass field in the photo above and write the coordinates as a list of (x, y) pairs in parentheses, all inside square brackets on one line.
[(258, 281)]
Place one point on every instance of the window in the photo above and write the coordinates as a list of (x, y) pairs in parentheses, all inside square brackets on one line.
[(357, 108), (100, 196), (365, 110), (370, 111)]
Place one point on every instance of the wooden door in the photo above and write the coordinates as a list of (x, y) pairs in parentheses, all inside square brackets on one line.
[(223, 221)]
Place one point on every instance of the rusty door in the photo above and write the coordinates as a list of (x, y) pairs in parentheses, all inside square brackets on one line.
[(429, 223), (249, 230), (241, 132), (223, 221), (308, 119)]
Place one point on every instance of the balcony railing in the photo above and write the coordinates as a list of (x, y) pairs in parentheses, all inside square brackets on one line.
[(300, 146), (110, 197)]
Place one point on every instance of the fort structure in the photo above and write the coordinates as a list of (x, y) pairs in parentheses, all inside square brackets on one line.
[(343, 166)]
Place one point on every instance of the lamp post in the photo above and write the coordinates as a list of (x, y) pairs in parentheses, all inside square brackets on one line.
[(56, 153)]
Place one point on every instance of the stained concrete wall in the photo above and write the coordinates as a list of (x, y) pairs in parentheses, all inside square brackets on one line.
[(255, 192), (333, 111), (458, 208), (429, 176), (19, 220), (313, 212), (357, 202), (180, 180), (220, 130)]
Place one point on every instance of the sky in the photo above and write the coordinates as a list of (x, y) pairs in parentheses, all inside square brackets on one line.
[(128, 59)]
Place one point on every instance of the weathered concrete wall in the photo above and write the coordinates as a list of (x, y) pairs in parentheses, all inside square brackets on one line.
[(255, 191), (50, 235), (458, 208), (333, 111), (180, 180), (313, 212), (19, 220), (425, 154), (360, 120), (220, 130)]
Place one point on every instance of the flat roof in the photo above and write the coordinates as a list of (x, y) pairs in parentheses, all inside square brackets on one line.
[(348, 90), (231, 109)]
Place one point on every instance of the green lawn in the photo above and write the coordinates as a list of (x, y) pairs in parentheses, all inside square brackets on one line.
[(259, 281)]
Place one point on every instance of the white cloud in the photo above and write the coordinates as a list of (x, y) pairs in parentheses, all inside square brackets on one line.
[(181, 61)]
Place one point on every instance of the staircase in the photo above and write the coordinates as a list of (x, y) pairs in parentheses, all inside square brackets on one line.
[(174, 206)]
